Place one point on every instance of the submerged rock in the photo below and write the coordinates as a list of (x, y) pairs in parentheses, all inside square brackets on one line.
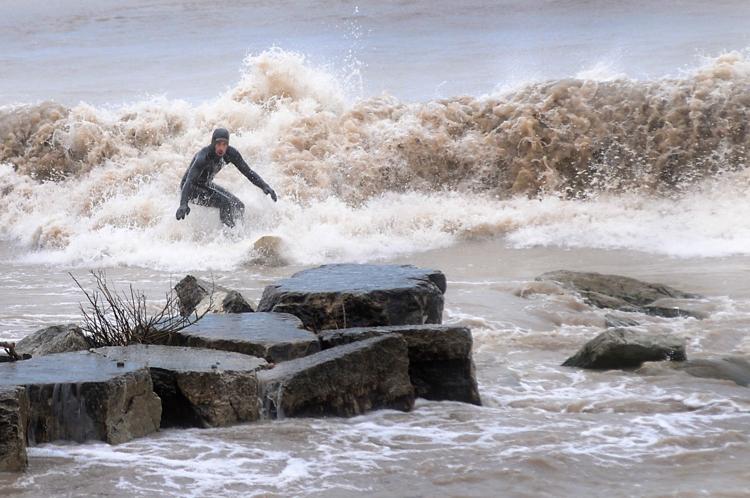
[(54, 339), (612, 321), (734, 368), (197, 295), (273, 336), (676, 308), (14, 412), (621, 293), (343, 381), (351, 295), (269, 250), (198, 387), (84, 396), (626, 348), (440, 361)]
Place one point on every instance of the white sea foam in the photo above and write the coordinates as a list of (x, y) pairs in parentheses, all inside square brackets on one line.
[(376, 178)]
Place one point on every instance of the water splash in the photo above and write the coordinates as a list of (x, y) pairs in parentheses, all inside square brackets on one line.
[(378, 177)]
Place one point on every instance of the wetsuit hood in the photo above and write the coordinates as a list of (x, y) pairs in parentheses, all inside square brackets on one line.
[(219, 133)]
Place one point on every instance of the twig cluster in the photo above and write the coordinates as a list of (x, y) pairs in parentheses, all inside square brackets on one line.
[(121, 318)]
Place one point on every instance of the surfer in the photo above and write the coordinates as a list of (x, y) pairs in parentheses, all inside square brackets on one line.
[(197, 183)]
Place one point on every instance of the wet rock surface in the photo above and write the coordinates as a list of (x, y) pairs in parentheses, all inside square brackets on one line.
[(197, 295), (84, 396), (677, 308), (612, 321), (269, 250), (343, 381), (54, 339), (274, 336), (13, 420), (352, 295), (198, 387), (734, 368), (622, 293), (440, 358), (626, 348)]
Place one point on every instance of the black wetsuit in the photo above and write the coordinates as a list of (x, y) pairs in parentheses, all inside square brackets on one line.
[(197, 183)]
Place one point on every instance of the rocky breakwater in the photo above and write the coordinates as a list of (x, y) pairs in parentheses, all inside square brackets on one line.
[(735, 368), (627, 348), (351, 295), (115, 394), (348, 303), (231, 368), (343, 381), (626, 343), (197, 387), (84, 396), (628, 294), (441, 366)]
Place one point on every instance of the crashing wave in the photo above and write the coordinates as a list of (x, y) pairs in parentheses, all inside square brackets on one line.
[(118, 169)]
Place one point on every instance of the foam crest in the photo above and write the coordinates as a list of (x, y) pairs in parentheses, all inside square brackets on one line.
[(275, 77)]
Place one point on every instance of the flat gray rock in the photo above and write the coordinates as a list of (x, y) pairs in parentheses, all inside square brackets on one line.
[(274, 336), (343, 381), (14, 412), (352, 295), (84, 396), (626, 348), (198, 387), (440, 358), (623, 293), (51, 340)]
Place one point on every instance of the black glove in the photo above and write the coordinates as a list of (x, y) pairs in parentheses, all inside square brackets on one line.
[(182, 212), (269, 191)]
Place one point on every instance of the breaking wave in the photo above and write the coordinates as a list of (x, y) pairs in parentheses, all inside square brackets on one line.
[(579, 162)]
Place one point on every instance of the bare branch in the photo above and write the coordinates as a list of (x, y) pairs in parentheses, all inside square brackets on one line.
[(115, 318)]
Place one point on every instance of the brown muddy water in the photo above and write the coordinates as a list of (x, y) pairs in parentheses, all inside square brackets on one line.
[(544, 430)]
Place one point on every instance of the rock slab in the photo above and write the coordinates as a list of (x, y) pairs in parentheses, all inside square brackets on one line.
[(626, 348), (343, 381), (274, 336), (14, 412), (440, 359), (622, 293), (199, 296), (351, 295), (84, 396), (51, 340), (198, 387)]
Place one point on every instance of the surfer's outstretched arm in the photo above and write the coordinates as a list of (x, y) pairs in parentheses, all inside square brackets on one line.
[(234, 157), (188, 184)]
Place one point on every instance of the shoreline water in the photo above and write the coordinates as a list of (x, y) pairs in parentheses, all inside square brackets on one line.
[(477, 265), (544, 429)]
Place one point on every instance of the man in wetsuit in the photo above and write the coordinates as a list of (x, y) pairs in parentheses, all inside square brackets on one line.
[(197, 184)]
